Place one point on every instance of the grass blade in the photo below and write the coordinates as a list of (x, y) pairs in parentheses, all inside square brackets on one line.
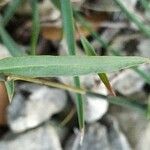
[(133, 18), (89, 49), (120, 101), (46, 66), (10, 89), (105, 45), (145, 76), (148, 108), (68, 24), (35, 26), (79, 105)]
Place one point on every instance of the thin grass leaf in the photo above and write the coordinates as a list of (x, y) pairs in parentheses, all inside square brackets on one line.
[(140, 72), (122, 101), (46, 66), (10, 10), (79, 105), (9, 42), (133, 18), (89, 49), (148, 108), (89, 27), (68, 25), (105, 45), (35, 26), (10, 89), (145, 76)]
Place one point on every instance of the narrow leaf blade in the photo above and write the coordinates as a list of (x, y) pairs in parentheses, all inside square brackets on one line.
[(10, 89), (46, 66), (35, 26), (89, 49), (68, 24)]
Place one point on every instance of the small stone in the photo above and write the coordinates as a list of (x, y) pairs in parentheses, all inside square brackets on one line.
[(143, 47), (4, 52), (28, 112), (134, 125), (41, 138), (87, 81), (128, 82), (100, 137), (95, 107), (144, 140)]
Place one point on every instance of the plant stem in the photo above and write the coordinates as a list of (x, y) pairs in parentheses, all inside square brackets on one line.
[(68, 24), (133, 18), (35, 26), (121, 101), (48, 83)]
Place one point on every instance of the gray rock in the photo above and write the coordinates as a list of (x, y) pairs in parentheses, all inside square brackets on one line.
[(95, 107), (87, 81), (100, 137), (144, 140), (134, 125), (42, 138), (107, 5), (4, 52), (143, 47), (122, 83), (39, 106)]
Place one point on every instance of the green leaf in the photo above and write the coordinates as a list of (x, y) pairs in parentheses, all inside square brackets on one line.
[(148, 108), (79, 105), (122, 101), (35, 26), (46, 66), (9, 42), (134, 18), (10, 89), (89, 49), (69, 31), (117, 100), (68, 24), (144, 75)]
